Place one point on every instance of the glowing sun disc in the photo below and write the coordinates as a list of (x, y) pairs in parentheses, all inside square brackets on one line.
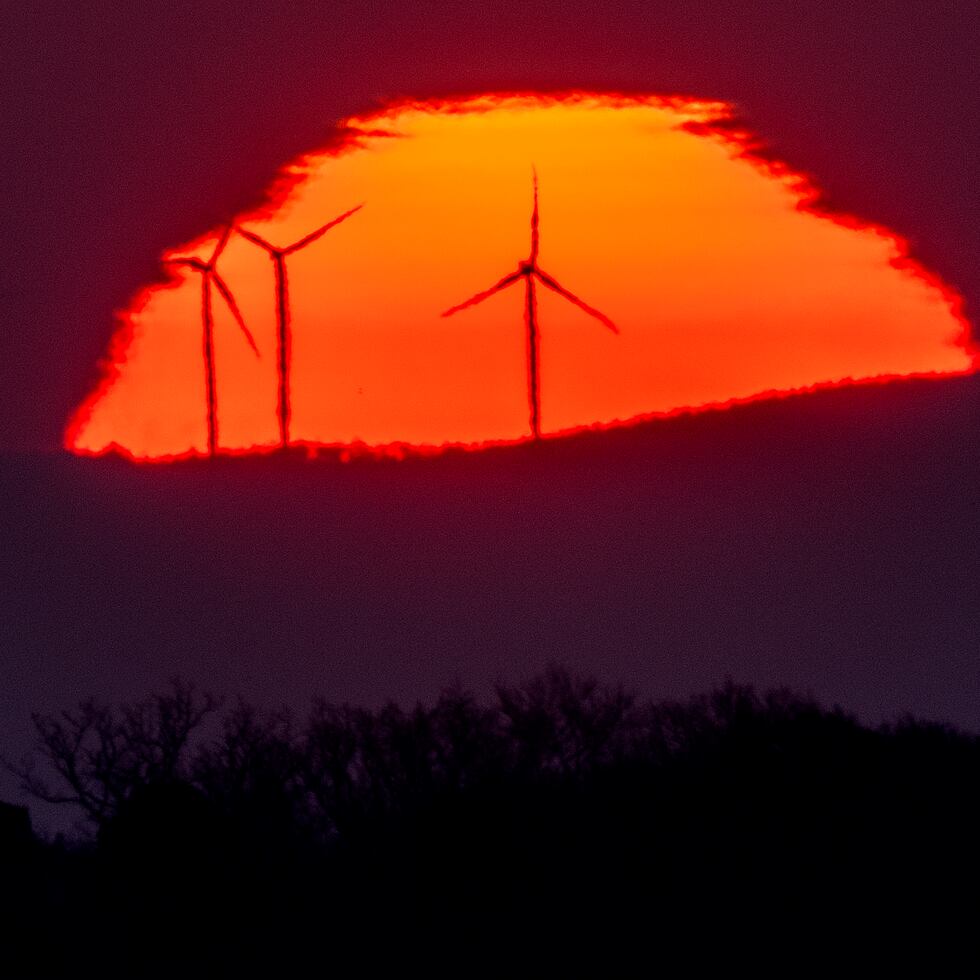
[(723, 280)]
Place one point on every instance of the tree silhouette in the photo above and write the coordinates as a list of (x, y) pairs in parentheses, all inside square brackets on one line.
[(99, 754), (565, 827)]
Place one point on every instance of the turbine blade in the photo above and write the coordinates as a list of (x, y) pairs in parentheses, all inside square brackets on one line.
[(535, 217), (196, 264), (235, 311), (222, 242), (572, 298), (486, 294), (255, 239), (314, 235)]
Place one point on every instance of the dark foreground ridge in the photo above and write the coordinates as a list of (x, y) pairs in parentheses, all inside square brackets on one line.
[(563, 829)]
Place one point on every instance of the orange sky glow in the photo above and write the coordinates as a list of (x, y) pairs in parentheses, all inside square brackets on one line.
[(723, 281)]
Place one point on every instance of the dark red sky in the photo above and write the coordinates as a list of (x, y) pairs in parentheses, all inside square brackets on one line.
[(130, 128)]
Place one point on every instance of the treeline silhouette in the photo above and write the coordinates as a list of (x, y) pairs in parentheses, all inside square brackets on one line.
[(567, 828)]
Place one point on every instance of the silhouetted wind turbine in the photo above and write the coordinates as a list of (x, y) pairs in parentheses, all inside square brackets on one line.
[(210, 274), (278, 256), (529, 270)]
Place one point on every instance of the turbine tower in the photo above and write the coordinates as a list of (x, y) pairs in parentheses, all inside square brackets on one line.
[(529, 270), (209, 275), (284, 334)]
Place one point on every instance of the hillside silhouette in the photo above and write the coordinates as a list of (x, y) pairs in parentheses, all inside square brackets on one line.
[(565, 827)]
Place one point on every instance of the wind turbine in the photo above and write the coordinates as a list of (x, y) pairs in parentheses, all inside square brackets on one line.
[(284, 352), (529, 270), (210, 274)]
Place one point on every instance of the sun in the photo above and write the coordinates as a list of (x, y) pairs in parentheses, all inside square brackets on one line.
[(509, 267)]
